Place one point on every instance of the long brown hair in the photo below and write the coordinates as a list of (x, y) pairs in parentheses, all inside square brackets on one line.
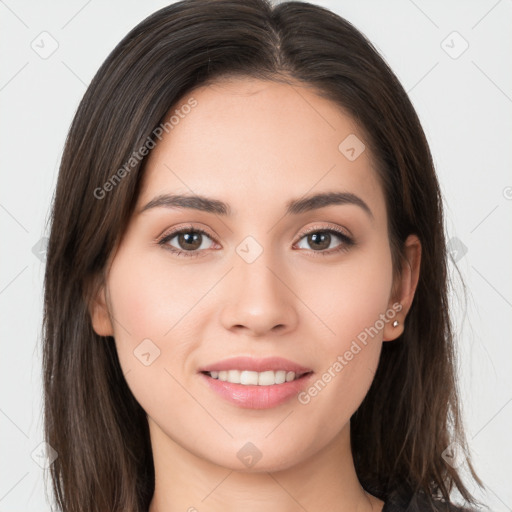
[(411, 413)]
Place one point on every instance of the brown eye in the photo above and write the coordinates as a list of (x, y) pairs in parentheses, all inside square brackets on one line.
[(187, 242), (321, 239)]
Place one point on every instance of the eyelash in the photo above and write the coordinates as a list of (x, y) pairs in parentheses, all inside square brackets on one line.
[(346, 244)]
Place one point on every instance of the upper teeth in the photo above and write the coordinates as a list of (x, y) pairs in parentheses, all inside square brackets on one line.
[(246, 377)]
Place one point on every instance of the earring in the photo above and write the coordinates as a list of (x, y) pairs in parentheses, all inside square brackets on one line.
[(395, 323)]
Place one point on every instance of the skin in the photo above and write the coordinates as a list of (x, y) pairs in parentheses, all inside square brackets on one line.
[(255, 145)]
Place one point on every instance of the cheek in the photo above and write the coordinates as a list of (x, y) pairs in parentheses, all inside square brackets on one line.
[(354, 306), (146, 298), (144, 307), (352, 299), (148, 305)]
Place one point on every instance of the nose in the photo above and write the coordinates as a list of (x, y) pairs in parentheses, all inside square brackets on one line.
[(259, 300)]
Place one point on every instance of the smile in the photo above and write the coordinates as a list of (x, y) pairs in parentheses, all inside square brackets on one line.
[(251, 378)]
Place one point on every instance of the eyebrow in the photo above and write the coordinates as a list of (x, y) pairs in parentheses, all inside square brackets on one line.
[(293, 207)]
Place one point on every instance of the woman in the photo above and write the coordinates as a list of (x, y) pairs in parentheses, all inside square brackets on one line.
[(246, 292)]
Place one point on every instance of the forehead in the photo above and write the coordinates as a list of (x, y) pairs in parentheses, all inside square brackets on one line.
[(248, 141)]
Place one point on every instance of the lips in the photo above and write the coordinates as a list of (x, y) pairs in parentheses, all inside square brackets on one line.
[(256, 365), (256, 396)]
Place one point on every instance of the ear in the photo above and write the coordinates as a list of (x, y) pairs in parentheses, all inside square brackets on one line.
[(404, 288), (98, 311)]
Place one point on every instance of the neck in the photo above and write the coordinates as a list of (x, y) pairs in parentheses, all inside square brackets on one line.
[(325, 481)]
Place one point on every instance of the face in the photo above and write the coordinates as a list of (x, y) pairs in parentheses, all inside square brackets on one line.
[(259, 273)]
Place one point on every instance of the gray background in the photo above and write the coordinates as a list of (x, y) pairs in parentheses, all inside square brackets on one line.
[(463, 98)]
